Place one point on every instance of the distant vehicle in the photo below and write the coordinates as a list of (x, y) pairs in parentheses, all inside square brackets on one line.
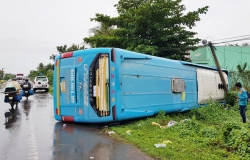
[(41, 83), (110, 84), (20, 78)]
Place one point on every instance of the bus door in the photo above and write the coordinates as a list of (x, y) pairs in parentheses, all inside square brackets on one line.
[(68, 95)]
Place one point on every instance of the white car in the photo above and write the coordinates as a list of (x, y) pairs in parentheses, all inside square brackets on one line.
[(20, 80), (41, 83)]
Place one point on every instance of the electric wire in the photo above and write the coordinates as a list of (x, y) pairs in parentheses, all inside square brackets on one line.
[(231, 38), (247, 38)]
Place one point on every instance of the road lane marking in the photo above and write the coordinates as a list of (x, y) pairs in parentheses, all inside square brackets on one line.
[(32, 144), (35, 153), (34, 158), (32, 140)]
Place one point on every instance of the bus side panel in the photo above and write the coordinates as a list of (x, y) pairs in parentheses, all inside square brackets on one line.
[(147, 87)]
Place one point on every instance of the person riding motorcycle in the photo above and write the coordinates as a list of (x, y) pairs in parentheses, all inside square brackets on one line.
[(26, 86), (26, 83), (16, 85)]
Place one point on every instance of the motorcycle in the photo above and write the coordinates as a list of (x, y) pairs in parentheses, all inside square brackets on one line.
[(13, 98), (27, 91)]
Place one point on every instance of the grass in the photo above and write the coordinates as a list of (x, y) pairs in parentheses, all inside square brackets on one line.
[(51, 89), (2, 81), (210, 132)]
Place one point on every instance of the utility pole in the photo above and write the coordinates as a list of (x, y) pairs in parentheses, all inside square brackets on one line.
[(218, 66)]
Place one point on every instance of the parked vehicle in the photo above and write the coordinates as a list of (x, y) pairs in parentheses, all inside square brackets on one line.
[(41, 83), (109, 84)]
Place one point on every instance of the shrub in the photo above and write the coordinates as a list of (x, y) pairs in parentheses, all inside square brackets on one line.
[(209, 132), (230, 98), (238, 139), (213, 112)]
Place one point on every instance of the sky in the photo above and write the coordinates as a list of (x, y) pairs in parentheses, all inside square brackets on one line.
[(30, 30)]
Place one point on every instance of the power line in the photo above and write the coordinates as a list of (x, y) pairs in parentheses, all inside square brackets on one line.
[(247, 38), (231, 38)]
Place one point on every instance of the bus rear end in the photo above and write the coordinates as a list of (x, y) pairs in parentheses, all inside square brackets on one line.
[(84, 86)]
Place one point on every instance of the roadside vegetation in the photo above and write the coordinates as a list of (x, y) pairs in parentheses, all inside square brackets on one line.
[(42, 70), (51, 89), (212, 132), (241, 75), (2, 81)]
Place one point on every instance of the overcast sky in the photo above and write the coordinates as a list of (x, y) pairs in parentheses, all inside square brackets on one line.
[(30, 30)]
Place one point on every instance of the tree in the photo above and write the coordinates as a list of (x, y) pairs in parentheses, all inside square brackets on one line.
[(236, 44), (73, 47), (33, 74), (102, 29), (52, 57), (156, 27), (40, 66), (242, 75), (245, 44), (8, 76), (1, 74), (48, 67), (45, 70)]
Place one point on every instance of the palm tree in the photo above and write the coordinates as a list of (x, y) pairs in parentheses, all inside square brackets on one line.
[(102, 30), (40, 66)]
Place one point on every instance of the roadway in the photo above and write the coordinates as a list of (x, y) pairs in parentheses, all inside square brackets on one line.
[(34, 135)]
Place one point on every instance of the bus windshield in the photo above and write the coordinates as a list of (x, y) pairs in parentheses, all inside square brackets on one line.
[(100, 82)]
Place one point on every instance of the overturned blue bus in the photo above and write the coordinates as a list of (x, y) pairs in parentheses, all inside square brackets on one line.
[(110, 84)]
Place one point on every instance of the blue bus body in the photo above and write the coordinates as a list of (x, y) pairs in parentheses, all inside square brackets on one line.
[(109, 84)]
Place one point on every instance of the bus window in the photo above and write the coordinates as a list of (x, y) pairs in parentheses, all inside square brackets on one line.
[(99, 85)]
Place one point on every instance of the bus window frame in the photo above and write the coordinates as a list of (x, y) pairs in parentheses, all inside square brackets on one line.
[(92, 82)]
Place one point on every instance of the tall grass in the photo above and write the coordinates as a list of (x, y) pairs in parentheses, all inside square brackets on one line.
[(211, 132)]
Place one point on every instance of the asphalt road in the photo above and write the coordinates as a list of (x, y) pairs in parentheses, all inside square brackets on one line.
[(34, 134)]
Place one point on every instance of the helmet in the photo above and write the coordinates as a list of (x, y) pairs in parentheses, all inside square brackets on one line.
[(26, 79)]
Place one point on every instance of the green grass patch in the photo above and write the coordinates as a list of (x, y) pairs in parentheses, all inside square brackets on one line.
[(210, 132), (51, 89), (2, 81)]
